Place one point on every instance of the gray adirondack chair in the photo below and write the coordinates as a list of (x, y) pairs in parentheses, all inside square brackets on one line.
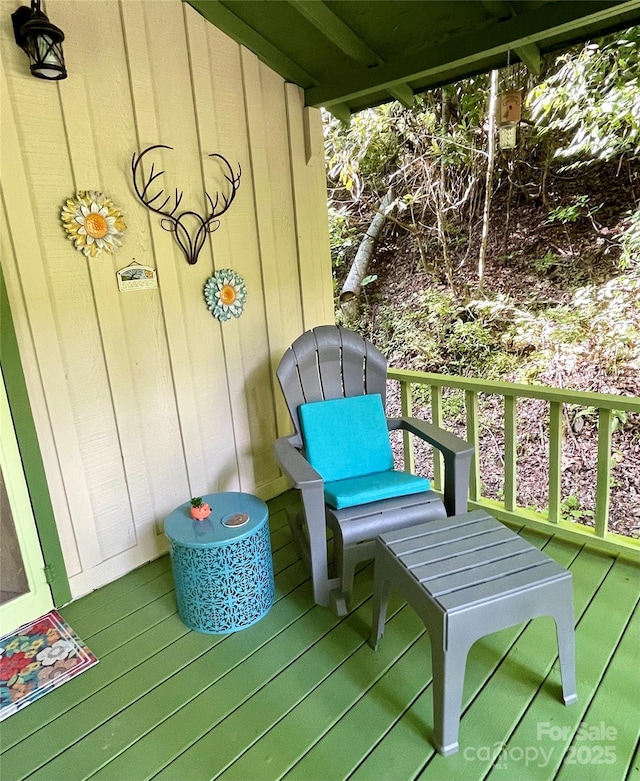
[(327, 363)]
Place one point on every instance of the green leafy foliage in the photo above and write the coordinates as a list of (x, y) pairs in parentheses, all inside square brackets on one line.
[(591, 101), (601, 324), (342, 234), (572, 211), (560, 302), (587, 107), (434, 333), (542, 265), (630, 242), (571, 510), (360, 155)]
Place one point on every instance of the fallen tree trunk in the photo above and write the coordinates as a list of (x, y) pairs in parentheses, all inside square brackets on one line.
[(353, 284)]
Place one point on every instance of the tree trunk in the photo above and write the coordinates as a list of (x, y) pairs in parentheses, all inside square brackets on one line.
[(491, 153), (353, 284), (441, 199), (507, 227)]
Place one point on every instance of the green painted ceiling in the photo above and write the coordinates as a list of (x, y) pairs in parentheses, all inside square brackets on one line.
[(351, 54)]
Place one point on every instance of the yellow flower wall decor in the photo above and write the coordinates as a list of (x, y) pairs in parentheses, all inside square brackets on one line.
[(93, 223)]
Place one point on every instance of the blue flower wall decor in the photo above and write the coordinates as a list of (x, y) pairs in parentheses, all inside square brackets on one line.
[(225, 293)]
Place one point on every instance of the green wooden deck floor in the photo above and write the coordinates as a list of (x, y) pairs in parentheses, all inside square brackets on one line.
[(301, 695)]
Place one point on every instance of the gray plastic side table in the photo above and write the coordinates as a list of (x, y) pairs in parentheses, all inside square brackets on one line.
[(222, 566), (467, 576)]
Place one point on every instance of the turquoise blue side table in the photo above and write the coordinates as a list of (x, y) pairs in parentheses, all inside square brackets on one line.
[(222, 566)]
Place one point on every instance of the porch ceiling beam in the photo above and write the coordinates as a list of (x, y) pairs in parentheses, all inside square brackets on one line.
[(333, 28), (349, 43), (462, 53), (529, 54), (403, 93), (340, 111), (240, 31)]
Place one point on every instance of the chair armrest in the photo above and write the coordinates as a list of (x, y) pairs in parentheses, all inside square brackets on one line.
[(457, 454), (445, 441), (311, 486), (295, 465)]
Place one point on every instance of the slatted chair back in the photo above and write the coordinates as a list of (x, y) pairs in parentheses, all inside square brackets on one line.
[(330, 362)]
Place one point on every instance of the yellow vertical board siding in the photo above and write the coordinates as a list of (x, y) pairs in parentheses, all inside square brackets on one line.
[(159, 67), (156, 394), (280, 271), (113, 442), (306, 150), (41, 125), (130, 325), (277, 309), (39, 410), (143, 399), (29, 295), (216, 408), (219, 111)]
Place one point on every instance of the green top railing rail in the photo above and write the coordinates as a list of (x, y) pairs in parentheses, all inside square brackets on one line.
[(605, 405)]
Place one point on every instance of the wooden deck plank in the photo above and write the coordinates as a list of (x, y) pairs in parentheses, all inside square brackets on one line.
[(301, 696), (87, 623), (634, 767), (289, 500), (135, 638), (602, 749), (59, 736), (323, 707), (221, 695), (137, 714), (378, 710), (278, 514), (597, 635), (405, 749), (125, 629), (274, 704), (280, 538), (123, 678), (104, 596), (58, 702), (237, 705)]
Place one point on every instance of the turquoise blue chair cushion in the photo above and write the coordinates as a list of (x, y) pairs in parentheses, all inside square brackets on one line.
[(347, 443), (346, 437), (371, 488)]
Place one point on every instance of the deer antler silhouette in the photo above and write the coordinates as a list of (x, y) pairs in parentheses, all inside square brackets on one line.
[(173, 223)]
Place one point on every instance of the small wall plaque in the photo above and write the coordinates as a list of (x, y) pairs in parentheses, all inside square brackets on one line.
[(136, 277)]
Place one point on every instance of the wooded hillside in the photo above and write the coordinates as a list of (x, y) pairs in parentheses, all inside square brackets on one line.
[(556, 299)]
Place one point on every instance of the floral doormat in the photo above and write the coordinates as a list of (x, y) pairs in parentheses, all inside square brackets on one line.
[(37, 658)]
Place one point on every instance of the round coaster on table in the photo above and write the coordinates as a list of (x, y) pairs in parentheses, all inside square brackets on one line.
[(235, 519)]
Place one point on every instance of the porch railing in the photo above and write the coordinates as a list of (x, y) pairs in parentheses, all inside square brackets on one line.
[(550, 521)]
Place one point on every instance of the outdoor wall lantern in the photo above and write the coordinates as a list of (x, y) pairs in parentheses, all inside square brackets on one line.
[(41, 40)]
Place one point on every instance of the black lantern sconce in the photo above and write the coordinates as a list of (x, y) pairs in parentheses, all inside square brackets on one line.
[(41, 40)]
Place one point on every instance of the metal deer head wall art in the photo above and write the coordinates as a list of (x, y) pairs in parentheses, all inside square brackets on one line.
[(190, 242)]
